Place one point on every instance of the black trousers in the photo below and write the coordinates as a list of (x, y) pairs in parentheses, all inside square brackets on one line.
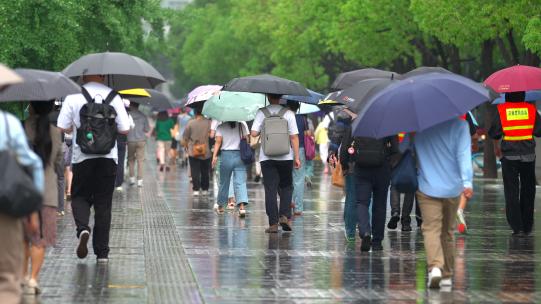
[(92, 186), (121, 145), (277, 180), (519, 190), (200, 169), (372, 183), (407, 206)]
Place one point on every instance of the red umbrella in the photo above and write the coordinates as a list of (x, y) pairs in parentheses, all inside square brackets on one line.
[(514, 79)]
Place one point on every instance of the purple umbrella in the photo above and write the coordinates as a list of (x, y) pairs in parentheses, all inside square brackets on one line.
[(202, 93), (418, 103)]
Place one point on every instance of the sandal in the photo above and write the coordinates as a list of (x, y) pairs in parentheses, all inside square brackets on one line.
[(242, 211)]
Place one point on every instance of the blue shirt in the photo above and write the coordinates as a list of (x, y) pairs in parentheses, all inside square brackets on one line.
[(20, 148), (301, 127), (444, 155)]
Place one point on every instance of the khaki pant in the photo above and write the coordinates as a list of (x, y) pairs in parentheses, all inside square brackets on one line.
[(11, 259), (163, 151), (136, 151), (439, 221)]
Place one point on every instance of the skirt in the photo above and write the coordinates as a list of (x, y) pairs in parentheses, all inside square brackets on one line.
[(46, 236)]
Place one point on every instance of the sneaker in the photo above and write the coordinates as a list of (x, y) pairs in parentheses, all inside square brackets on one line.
[(61, 213), (196, 193), (406, 227), (204, 192), (393, 222), (447, 282), (140, 183), (118, 189), (82, 250), (132, 181), (461, 222), (350, 238), (309, 185), (257, 178), (366, 242), (434, 278), (218, 209), (31, 287), (376, 246), (102, 260), (285, 223), (272, 229)]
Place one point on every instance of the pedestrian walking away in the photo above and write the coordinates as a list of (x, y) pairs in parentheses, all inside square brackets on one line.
[(196, 141), (136, 144), (299, 175), (162, 132), (122, 145), (445, 173), (93, 173), (516, 125), (278, 155)]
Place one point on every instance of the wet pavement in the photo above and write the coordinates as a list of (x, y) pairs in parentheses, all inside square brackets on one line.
[(170, 247)]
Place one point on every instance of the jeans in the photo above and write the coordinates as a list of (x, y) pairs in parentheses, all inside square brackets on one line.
[(93, 185), (350, 208), (277, 179), (121, 143), (309, 171), (230, 162), (298, 182), (519, 190), (407, 206), (200, 169), (372, 183)]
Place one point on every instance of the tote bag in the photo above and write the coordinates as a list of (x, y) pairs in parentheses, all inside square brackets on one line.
[(404, 175), (247, 154)]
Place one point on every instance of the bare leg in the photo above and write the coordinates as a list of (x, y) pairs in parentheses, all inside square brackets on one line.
[(26, 258), (37, 255)]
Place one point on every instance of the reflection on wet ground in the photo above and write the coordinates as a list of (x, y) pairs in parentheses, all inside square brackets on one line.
[(160, 230)]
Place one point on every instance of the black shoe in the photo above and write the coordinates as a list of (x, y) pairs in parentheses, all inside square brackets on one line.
[(284, 222), (518, 234), (366, 242), (82, 250), (257, 178), (393, 222), (419, 222), (309, 185), (376, 246), (406, 227)]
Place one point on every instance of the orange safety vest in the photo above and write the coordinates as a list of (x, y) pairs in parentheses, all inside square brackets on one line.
[(518, 120), (401, 136)]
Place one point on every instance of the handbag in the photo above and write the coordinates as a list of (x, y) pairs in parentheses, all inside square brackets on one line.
[(309, 145), (337, 178), (199, 150), (247, 154), (404, 175), (18, 195)]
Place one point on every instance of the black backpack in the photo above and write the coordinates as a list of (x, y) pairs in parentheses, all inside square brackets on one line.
[(98, 131), (368, 152)]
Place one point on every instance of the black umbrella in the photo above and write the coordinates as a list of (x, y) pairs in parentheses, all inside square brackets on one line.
[(347, 79), (124, 71), (266, 84), (355, 96), (157, 100), (39, 85), (426, 70)]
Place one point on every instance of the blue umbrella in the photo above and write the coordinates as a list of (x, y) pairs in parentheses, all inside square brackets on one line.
[(314, 97), (530, 96), (418, 103)]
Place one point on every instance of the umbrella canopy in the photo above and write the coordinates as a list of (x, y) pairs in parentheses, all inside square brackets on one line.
[(39, 85), (157, 100), (202, 93), (530, 96), (515, 78), (347, 79), (425, 70), (8, 76), (234, 106), (307, 108), (355, 96), (314, 97), (134, 93), (418, 103), (266, 84), (124, 71)]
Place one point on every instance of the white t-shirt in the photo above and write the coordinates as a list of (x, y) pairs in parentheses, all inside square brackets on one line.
[(292, 127), (327, 120), (69, 118), (231, 136)]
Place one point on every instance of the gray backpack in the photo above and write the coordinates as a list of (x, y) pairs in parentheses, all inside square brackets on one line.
[(275, 133)]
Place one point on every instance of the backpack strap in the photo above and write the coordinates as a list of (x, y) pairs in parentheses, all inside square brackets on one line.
[(110, 97), (87, 95), (282, 112), (266, 112)]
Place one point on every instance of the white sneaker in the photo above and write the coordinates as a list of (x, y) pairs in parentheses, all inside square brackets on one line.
[(447, 282), (204, 192), (132, 181), (119, 189), (102, 260), (196, 193), (32, 287), (140, 183), (434, 278), (218, 209)]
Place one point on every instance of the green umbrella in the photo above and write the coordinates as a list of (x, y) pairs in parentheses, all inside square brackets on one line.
[(234, 106)]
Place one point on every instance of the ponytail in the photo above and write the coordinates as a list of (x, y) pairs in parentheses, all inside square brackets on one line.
[(43, 144)]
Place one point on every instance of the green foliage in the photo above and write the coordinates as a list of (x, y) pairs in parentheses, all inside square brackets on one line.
[(532, 36)]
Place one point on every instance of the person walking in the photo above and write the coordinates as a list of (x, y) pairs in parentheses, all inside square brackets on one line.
[(516, 124), (196, 141), (137, 138), (227, 144), (322, 139), (182, 121), (46, 140), (13, 138), (372, 158), (299, 174), (309, 164), (277, 169), (445, 173), (162, 131), (93, 174), (67, 148)]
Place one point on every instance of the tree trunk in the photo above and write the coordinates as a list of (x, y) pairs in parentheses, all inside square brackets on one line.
[(505, 53), (443, 55), (489, 159), (454, 57), (427, 56), (513, 47), (531, 58)]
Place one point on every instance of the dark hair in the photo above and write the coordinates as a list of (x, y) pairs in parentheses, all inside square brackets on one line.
[(293, 105), (274, 96), (43, 143), (232, 124), (162, 115), (515, 96)]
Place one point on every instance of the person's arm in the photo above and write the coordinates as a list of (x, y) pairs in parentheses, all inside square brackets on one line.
[(463, 155), (146, 126), (256, 126), (65, 118), (217, 145), (295, 145), (496, 131), (187, 134), (122, 120), (537, 125)]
